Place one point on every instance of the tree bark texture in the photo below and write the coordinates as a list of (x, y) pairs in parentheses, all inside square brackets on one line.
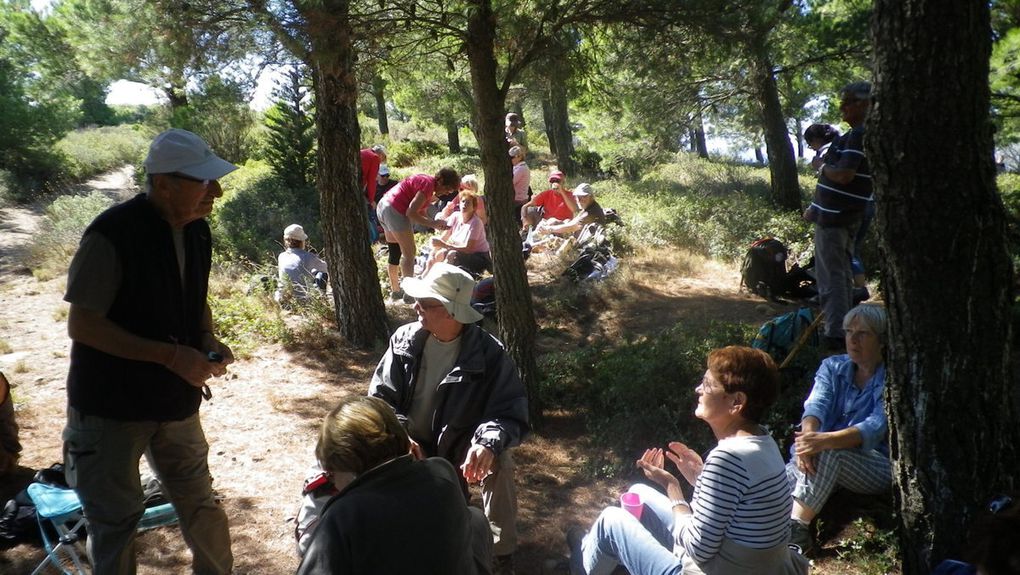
[(547, 119), (947, 272), (782, 164), (515, 314), (360, 313), (700, 144), (453, 135), (379, 91), (562, 134)]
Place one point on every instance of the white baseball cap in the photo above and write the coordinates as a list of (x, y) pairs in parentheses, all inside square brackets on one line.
[(450, 285), (295, 232), (183, 152), (583, 190)]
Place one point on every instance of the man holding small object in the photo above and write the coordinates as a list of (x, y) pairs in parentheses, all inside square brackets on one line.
[(458, 394), (143, 350)]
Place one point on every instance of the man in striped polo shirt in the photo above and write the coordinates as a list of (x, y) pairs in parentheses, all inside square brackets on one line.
[(844, 187)]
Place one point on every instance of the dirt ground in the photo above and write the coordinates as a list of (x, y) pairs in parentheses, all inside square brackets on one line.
[(262, 421)]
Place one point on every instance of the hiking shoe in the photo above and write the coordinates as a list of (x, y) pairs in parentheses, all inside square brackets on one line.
[(396, 295), (574, 536), (408, 299), (800, 535), (503, 564)]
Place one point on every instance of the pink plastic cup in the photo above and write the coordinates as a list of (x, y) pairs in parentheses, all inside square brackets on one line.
[(632, 503)]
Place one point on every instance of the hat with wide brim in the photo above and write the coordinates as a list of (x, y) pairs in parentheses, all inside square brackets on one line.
[(177, 151), (450, 285), (295, 232)]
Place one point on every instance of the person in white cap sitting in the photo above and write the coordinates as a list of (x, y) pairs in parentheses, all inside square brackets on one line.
[(458, 394), (298, 268), (143, 349), (588, 212)]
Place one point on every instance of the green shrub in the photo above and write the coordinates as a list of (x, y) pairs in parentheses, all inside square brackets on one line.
[(61, 229), (641, 394), (248, 221), (244, 317), (91, 151), (408, 152), (463, 163), (629, 159), (708, 207)]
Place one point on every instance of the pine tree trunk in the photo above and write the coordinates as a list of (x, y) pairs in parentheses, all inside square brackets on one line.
[(700, 144), (947, 272), (379, 91), (547, 119), (513, 296), (562, 133), (782, 164), (360, 314), (453, 135)]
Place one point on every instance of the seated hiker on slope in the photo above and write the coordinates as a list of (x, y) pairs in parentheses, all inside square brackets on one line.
[(842, 437)]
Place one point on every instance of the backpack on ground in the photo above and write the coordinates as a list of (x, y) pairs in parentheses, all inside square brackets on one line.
[(779, 335), (763, 271)]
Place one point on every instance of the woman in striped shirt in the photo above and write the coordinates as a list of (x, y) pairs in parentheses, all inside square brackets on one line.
[(737, 520)]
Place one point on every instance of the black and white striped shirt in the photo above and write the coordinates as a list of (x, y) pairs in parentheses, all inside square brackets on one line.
[(742, 494)]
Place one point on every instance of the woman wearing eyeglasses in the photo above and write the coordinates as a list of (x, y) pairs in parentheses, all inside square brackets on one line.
[(842, 437), (736, 520)]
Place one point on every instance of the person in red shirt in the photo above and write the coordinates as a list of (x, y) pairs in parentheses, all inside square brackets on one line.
[(556, 203)]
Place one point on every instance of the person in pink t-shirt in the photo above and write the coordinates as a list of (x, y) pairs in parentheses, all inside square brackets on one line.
[(403, 205), (464, 243)]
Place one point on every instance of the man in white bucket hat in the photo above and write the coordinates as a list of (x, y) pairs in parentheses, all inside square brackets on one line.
[(458, 394), (143, 349)]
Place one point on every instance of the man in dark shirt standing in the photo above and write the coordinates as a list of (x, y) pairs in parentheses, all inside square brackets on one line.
[(844, 187), (142, 351)]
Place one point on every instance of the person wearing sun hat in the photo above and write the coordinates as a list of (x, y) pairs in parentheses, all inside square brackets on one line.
[(297, 267), (588, 212), (458, 394), (143, 349)]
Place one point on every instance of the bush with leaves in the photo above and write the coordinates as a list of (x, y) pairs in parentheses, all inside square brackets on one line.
[(91, 151), (409, 152), (257, 205), (61, 229)]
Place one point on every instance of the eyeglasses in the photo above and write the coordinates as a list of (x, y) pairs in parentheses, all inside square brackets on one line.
[(708, 386), (191, 179)]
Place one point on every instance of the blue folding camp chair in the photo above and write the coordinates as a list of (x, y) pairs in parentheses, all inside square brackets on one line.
[(58, 509)]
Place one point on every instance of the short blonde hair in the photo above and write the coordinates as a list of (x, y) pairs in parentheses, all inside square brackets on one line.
[(468, 196), (469, 182), (360, 434)]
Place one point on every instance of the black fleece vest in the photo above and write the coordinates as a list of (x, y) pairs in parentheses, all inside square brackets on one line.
[(149, 303)]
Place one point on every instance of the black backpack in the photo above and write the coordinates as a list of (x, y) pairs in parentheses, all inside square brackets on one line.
[(764, 269)]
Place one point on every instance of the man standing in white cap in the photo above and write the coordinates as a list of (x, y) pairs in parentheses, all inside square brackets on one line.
[(142, 351), (458, 394), (297, 267)]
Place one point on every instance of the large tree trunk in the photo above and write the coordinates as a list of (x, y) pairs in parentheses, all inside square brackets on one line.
[(782, 164), (954, 433), (562, 134), (700, 144), (513, 296), (379, 91), (360, 314)]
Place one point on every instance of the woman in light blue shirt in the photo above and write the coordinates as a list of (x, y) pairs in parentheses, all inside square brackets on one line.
[(842, 437)]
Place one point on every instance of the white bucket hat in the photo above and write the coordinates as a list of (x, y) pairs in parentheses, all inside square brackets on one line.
[(295, 232), (182, 152), (450, 285)]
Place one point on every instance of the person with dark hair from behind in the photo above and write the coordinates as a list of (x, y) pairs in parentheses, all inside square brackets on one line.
[(408, 202), (736, 520), (819, 137), (842, 437), (838, 209), (10, 446), (394, 513)]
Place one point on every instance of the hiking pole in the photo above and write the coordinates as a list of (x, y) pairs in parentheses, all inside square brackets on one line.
[(803, 339)]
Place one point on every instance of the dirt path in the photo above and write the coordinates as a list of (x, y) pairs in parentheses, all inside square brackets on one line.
[(262, 421)]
